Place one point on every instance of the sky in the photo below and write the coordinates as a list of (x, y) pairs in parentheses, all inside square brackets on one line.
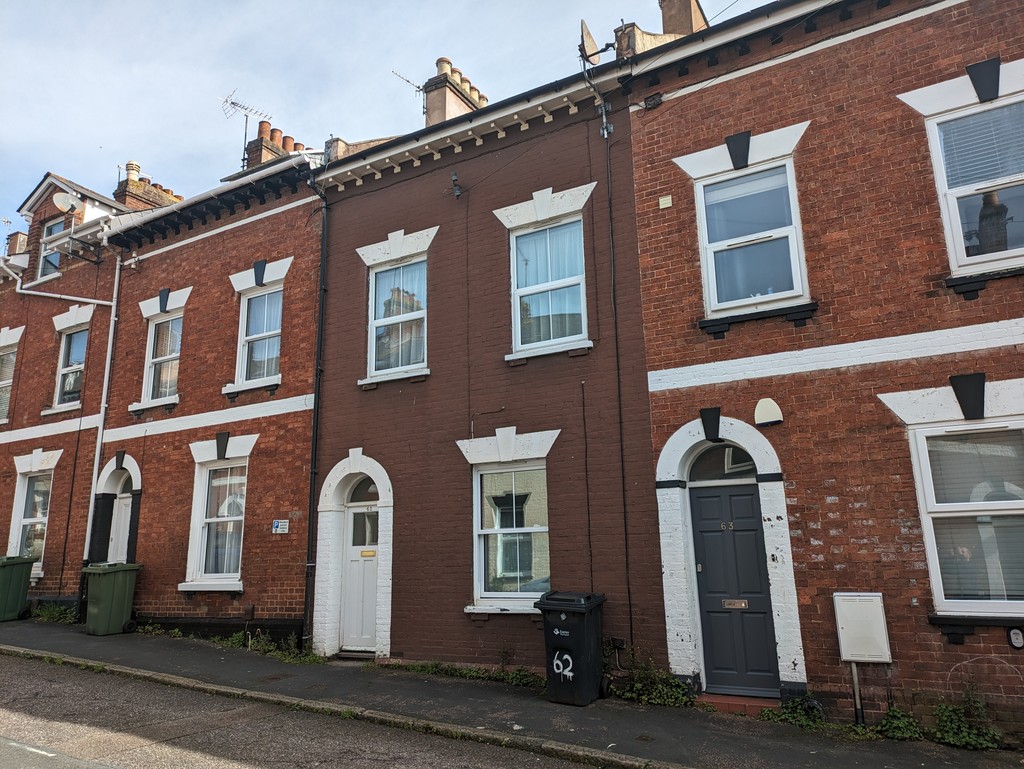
[(87, 86)]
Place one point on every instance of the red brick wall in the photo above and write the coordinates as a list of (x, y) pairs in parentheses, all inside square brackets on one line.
[(876, 260), (411, 428)]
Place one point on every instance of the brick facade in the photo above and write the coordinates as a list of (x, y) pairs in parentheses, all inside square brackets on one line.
[(877, 263)]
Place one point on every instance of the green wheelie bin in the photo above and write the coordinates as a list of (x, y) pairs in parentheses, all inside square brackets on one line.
[(111, 592), (15, 572)]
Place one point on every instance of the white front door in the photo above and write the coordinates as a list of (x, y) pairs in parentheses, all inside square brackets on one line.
[(359, 581), (117, 548)]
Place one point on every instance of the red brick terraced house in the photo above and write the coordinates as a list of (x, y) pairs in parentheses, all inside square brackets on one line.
[(483, 430), (830, 212)]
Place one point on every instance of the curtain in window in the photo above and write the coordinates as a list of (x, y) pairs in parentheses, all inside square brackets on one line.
[(34, 516), (981, 558), (225, 511), (977, 467), (263, 317), (759, 269), (166, 344), (757, 202), (6, 378), (532, 259), (565, 246), (400, 292)]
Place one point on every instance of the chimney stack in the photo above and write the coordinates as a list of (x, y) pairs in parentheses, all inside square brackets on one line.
[(450, 94), (139, 193), (270, 143), (679, 18)]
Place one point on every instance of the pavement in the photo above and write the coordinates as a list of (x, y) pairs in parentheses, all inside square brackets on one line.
[(606, 733)]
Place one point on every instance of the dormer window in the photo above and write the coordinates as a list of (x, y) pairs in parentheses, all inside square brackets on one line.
[(49, 257)]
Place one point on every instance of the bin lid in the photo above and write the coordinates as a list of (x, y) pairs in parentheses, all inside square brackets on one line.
[(11, 560), (560, 600), (106, 568)]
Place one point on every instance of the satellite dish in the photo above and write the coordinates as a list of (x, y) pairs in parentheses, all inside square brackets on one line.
[(66, 202), (589, 51)]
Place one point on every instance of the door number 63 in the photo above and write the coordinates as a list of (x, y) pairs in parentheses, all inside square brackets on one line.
[(561, 663), (727, 526)]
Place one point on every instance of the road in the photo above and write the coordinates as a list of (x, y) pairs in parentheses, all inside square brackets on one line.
[(62, 717)]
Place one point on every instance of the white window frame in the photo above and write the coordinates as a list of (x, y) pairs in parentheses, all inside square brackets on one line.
[(546, 209), (245, 285), (173, 309), (960, 262), (505, 451), (49, 237), (9, 339), (37, 464), (399, 249), (204, 453), (944, 101), (931, 510), (715, 164), (63, 371), (793, 232), (480, 535), (572, 340), (411, 369)]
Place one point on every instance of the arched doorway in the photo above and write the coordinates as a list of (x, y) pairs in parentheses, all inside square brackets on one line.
[(114, 529), (352, 588), (678, 462), (733, 591)]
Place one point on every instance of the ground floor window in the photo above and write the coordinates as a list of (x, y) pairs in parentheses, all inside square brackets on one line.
[(225, 518), (973, 496), (512, 554), (34, 515)]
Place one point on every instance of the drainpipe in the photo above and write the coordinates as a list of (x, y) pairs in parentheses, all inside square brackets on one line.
[(108, 365), (311, 527)]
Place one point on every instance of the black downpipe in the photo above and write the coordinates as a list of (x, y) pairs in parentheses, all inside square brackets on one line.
[(311, 527)]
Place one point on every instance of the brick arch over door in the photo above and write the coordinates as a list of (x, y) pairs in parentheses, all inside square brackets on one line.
[(330, 540), (682, 612)]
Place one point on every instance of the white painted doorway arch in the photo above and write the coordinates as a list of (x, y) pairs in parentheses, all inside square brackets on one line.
[(679, 572), (334, 548)]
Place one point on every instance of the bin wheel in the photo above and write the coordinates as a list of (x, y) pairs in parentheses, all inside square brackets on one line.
[(606, 687), (130, 626), (25, 613)]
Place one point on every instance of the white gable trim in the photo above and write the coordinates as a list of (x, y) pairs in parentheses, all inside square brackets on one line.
[(37, 461), (772, 145), (9, 337), (506, 446), (958, 93), (238, 446), (175, 301), (274, 273)]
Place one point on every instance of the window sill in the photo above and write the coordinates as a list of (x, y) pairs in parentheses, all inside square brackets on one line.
[(503, 609), (797, 313), (551, 349), (61, 409), (968, 286), (971, 620), (40, 281), (373, 379), (208, 586), (168, 403), (3, 422), (233, 388)]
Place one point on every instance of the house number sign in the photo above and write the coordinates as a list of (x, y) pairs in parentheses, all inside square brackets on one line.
[(561, 663)]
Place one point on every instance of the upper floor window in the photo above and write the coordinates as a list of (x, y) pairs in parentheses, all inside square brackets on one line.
[(6, 380), (162, 365), (163, 347), (751, 249), (260, 325), (49, 258), (976, 136), (398, 327), (973, 495), (748, 221), (981, 154), (397, 345), (71, 367), (549, 289), (548, 270)]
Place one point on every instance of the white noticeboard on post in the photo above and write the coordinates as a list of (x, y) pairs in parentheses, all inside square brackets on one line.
[(860, 619)]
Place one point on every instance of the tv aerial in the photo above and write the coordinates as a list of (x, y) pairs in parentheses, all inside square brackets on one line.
[(417, 88), (231, 105), (68, 203)]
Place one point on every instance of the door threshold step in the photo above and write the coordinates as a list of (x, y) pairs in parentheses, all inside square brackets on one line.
[(345, 655), (732, 703)]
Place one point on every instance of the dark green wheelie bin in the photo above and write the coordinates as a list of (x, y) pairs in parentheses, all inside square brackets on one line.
[(15, 572), (111, 592)]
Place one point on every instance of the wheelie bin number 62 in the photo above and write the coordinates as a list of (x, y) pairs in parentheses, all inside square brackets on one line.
[(562, 664)]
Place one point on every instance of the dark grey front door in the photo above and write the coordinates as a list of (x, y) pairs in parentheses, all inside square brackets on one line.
[(740, 656)]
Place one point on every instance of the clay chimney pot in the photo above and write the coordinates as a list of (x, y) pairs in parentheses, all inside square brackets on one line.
[(444, 66), (482, 100), (263, 132), (275, 136), (288, 143), (474, 93), (299, 146), (456, 75)]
